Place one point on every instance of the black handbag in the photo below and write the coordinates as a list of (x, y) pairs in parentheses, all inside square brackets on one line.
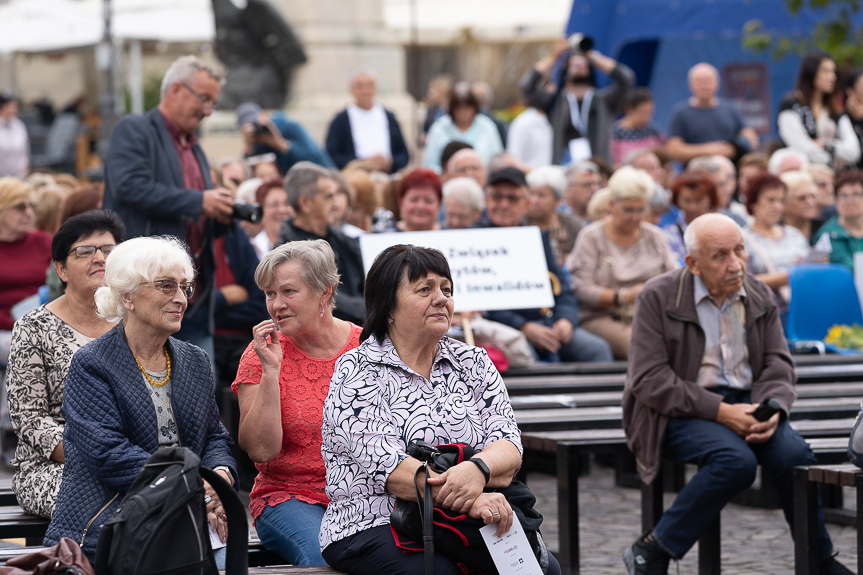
[(418, 527)]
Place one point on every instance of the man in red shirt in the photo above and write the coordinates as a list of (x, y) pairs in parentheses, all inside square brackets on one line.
[(157, 179)]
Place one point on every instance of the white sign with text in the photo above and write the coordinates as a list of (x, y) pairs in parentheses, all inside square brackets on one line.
[(492, 268)]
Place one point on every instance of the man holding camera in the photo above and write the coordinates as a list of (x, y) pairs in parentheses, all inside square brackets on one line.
[(157, 179), (280, 136), (580, 114)]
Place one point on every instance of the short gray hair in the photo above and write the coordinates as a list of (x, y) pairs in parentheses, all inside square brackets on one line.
[(775, 162), (466, 191), (302, 180), (629, 183), (234, 160), (585, 166), (690, 238), (184, 69), (704, 163), (318, 270), (552, 176), (658, 202), (137, 261), (630, 158)]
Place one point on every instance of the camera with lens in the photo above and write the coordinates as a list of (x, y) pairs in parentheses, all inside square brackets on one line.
[(580, 44), (248, 211), (260, 129)]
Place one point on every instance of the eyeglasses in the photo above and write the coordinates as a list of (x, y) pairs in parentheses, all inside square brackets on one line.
[(855, 197), (511, 198), (90, 251), (633, 211), (23, 206), (205, 100), (169, 287)]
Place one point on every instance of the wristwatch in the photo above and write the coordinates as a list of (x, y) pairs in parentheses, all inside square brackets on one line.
[(482, 467)]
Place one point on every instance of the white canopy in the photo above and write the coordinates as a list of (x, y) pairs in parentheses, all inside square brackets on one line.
[(50, 25)]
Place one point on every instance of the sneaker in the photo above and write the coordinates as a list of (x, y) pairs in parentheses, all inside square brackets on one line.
[(829, 566), (646, 557)]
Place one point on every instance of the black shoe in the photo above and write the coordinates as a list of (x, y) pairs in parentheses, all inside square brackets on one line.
[(829, 566), (646, 557)]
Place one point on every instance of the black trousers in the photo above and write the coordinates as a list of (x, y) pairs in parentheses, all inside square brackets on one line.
[(374, 552)]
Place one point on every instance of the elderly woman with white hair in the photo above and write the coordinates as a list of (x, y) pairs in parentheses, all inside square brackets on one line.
[(282, 381), (463, 203), (135, 390), (801, 206), (614, 257), (547, 187)]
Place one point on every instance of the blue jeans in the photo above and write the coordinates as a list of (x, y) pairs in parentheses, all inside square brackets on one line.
[(584, 346), (727, 466), (291, 529)]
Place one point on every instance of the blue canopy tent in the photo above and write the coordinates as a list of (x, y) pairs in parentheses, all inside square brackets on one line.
[(662, 39)]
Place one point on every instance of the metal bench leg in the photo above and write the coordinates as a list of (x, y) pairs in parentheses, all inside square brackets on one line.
[(567, 508), (806, 523), (651, 502), (709, 547)]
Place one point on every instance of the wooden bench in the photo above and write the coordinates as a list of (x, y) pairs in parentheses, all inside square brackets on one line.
[(806, 481), (258, 555), (607, 417), (571, 445)]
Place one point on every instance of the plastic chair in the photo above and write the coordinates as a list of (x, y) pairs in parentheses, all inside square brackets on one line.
[(821, 297)]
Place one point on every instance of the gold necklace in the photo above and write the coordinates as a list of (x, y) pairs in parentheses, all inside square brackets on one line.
[(147, 375)]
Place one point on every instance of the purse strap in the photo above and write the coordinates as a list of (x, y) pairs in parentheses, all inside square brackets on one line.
[(426, 508)]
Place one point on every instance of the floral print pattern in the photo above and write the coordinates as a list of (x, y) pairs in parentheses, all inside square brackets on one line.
[(377, 405)]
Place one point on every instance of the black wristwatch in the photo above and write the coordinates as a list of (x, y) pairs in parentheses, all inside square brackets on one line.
[(482, 467)]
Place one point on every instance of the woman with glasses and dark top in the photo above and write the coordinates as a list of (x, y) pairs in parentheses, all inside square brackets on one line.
[(842, 235), (136, 390), (43, 342), (25, 254)]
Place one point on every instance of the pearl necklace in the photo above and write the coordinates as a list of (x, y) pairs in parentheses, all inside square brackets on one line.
[(147, 375)]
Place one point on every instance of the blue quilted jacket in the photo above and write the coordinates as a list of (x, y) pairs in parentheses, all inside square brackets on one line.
[(111, 430)]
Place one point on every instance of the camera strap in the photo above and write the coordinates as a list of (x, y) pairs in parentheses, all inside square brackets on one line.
[(426, 508), (579, 115)]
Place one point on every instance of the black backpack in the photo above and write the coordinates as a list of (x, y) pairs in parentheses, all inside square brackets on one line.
[(161, 526)]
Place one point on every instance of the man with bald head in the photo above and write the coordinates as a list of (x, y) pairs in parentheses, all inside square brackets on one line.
[(366, 131), (706, 126), (466, 163), (707, 348)]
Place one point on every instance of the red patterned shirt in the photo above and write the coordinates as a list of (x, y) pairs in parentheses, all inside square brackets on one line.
[(298, 471)]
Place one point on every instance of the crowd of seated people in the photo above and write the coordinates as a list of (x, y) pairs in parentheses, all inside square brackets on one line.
[(295, 322)]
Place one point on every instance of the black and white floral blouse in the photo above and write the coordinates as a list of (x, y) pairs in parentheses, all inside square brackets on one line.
[(377, 405), (42, 349)]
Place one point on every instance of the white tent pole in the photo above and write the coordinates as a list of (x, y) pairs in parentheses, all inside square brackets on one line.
[(136, 81)]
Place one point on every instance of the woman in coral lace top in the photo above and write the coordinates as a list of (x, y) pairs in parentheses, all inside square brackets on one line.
[(283, 379)]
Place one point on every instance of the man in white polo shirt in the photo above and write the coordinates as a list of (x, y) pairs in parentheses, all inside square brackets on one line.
[(366, 131), (14, 143)]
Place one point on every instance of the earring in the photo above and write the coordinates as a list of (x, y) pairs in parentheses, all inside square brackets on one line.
[(390, 320), (322, 311)]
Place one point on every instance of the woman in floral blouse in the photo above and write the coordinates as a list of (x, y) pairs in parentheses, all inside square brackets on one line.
[(407, 382), (43, 342), (282, 381)]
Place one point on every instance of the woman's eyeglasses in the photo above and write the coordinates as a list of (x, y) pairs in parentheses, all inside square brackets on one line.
[(90, 251), (169, 287)]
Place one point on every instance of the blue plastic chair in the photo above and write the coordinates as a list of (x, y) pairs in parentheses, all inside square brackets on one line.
[(821, 297)]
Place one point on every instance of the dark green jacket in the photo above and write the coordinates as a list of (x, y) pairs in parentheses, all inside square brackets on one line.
[(842, 244)]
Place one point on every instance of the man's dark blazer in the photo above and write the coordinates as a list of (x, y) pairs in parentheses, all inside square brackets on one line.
[(144, 180), (144, 185), (340, 142)]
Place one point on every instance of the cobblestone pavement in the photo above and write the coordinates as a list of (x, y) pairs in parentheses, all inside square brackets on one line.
[(754, 541)]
